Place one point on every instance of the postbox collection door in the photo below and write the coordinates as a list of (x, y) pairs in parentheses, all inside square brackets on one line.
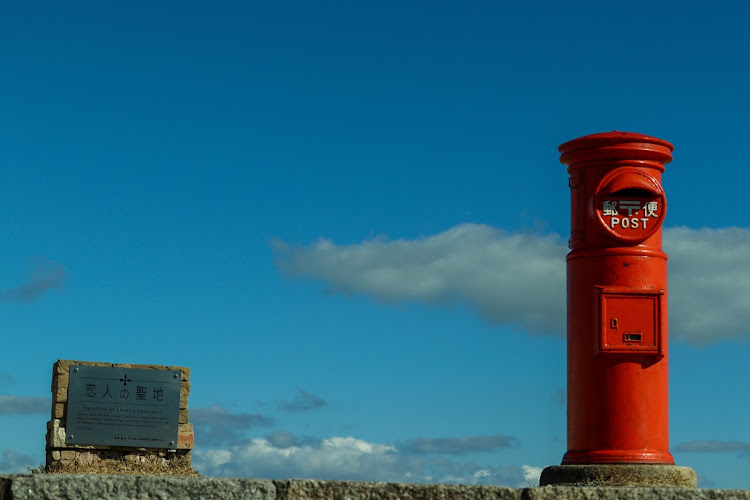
[(630, 322)]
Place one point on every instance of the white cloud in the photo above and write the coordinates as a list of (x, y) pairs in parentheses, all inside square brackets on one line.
[(531, 474), (336, 457), (519, 279), (347, 458), (516, 279), (709, 283), (13, 462), (213, 459)]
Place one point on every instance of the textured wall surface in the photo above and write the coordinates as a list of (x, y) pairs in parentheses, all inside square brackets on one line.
[(65, 486)]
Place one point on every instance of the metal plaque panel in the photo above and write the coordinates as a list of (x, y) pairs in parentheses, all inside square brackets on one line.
[(123, 407)]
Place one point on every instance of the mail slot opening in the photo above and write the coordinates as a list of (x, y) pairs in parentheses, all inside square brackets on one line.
[(633, 337), (632, 193)]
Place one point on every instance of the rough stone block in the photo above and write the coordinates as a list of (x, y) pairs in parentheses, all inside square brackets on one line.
[(310, 489), (184, 416), (55, 422), (59, 410), (125, 487), (629, 493), (60, 395), (56, 434), (185, 437), (59, 388), (62, 367), (85, 487), (87, 457), (185, 442)]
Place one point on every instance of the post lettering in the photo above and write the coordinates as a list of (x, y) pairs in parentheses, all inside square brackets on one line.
[(629, 223)]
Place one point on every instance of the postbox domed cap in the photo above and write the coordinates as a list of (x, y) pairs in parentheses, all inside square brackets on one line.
[(615, 145)]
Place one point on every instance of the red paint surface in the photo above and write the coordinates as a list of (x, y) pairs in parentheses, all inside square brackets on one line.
[(618, 400)]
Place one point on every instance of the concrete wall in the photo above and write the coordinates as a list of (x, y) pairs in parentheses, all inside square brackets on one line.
[(68, 486)]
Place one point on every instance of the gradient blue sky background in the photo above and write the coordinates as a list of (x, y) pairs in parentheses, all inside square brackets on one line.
[(349, 219)]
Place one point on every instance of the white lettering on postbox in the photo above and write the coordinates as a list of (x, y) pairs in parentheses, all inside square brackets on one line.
[(609, 208), (629, 214)]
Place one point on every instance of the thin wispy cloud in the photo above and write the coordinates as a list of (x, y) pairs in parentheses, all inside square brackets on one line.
[(348, 458), (457, 445), (518, 279), (24, 405), (216, 426), (303, 401), (713, 446), (45, 275), (284, 439), (215, 415)]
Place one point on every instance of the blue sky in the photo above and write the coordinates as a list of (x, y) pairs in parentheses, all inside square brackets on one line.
[(349, 220)]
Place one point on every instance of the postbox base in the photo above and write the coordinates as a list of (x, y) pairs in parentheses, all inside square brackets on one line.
[(637, 457), (620, 475)]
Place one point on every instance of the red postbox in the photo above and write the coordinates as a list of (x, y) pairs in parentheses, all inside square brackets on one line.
[(617, 301)]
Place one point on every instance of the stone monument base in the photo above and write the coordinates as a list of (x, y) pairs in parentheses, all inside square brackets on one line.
[(619, 475)]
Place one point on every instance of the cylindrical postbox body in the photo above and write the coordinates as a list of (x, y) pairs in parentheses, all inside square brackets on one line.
[(617, 300)]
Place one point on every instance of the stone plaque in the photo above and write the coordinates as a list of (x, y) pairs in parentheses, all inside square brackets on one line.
[(123, 407)]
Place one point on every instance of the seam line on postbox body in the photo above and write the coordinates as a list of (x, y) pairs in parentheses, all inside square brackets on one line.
[(615, 252)]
